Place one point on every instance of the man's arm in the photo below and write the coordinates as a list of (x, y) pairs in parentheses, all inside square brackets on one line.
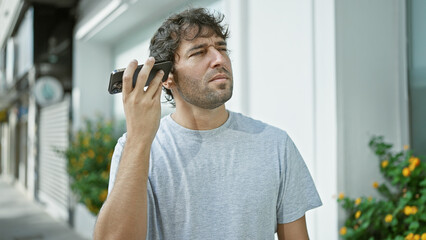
[(124, 214), (293, 231)]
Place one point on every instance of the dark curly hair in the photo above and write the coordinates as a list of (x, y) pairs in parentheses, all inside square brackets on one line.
[(179, 26)]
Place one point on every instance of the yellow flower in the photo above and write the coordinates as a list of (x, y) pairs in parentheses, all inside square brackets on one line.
[(103, 195), (92, 208), (91, 153), (375, 184), (385, 163), (357, 201), (406, 172), (107, 138), (414, 210), (407, 210), (423, 237), (417, 237), (83, 157), (105, 174), (86, 141), (77, 164), (406, 147), (370, 198), (388, 218), (409, 236), (90, 205), (73, 162), (343, 231), (415, 160), (357, 214)]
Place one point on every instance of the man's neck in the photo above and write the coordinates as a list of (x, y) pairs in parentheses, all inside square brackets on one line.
[(200, 119)]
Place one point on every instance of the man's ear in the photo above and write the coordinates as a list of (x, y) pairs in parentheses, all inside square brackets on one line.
[(169, 83)]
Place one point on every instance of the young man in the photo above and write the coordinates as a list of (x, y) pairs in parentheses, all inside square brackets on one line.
[(202, 172)]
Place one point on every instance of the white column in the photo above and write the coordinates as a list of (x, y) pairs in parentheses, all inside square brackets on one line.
[(325, 149), (236, 15), (32, 138)]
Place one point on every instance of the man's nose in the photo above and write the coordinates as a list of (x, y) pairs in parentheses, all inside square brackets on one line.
[(217, 57)]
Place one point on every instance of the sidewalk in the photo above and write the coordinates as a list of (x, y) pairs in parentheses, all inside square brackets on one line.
[(21, 219)]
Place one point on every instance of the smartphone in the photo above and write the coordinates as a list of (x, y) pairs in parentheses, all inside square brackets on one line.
[(116, 78)]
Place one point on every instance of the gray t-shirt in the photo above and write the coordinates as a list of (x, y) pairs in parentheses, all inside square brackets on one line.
[(237, 181)]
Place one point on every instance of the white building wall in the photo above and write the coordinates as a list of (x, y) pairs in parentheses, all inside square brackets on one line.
[(371, 87), (325, 112), (92, 66), (8, 17), (5, 151), (287, 90)]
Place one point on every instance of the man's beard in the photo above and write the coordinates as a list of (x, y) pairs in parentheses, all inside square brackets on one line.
[(198, 93)]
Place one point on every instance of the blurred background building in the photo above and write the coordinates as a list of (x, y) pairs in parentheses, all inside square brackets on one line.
[(331, 73)]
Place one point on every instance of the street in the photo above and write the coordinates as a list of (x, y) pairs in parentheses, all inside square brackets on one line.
[(21, 219)]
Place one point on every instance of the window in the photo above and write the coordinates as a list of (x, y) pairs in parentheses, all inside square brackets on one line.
[(417, 73)]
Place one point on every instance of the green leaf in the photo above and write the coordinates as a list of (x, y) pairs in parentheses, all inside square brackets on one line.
[(414, 226), (423, 183), (394, 222), (408, 195), (423, 216), (364, 225), (384, 190)]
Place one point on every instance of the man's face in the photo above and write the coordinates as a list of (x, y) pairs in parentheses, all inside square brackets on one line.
[(203, 72)]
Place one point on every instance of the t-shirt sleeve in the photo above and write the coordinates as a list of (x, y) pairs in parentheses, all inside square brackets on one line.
[(115, 161), (297, 193)]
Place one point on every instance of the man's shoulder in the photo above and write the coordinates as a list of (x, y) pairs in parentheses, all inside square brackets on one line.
[(246, 123)]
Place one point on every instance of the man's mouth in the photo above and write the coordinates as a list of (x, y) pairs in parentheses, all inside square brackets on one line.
[(219, 78)]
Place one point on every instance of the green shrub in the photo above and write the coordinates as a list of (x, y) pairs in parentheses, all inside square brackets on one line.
[(89, 156), (401, 213)]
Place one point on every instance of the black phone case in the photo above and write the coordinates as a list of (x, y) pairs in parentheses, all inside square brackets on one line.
[(116, 78)]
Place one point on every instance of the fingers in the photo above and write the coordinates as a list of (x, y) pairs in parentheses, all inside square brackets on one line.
[(143, 75), (142, 78), (155, 84), (157, 94), (128, 77)]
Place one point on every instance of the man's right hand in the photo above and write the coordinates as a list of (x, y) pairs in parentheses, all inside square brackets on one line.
[(124, 214), (142, 108)]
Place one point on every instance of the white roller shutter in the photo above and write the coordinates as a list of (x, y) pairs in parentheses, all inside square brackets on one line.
[(53, 178)]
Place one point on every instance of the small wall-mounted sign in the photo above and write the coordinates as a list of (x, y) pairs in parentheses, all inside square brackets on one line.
[(48, 90)]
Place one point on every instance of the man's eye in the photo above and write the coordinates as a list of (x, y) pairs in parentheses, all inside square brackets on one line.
[(225, 50), (197, 53)]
